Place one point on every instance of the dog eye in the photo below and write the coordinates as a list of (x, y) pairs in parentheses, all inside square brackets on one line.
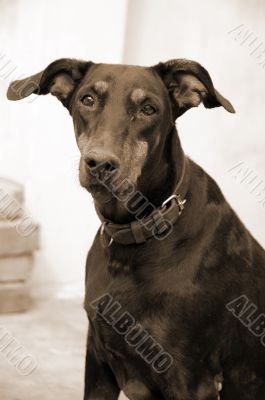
[(148, 110), (88, 100)]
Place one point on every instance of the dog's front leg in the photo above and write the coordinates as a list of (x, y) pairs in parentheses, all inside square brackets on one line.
[(185, 384), (100, 383)]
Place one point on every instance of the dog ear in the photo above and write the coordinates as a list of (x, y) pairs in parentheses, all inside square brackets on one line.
[(189, 84), (60, 79)]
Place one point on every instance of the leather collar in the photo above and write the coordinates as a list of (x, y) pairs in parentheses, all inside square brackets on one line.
[(158, 224)]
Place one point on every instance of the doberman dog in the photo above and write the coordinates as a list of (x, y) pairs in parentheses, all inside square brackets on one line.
[(174, 281)]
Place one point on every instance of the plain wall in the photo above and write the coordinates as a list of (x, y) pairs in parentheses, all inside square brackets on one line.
[(37, 145), (218, 141)]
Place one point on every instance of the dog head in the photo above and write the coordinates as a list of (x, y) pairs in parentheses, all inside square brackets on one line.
[(123, 115)]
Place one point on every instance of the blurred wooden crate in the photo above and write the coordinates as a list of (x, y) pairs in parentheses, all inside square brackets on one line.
[(19, 238), (15, 240), (16, 269), (14, 297), (11, 197)]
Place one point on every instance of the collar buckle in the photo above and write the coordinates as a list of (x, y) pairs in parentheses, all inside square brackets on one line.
[(180, 202)]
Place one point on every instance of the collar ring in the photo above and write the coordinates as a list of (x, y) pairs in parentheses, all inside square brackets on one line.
[(103, 240), (178, 199)]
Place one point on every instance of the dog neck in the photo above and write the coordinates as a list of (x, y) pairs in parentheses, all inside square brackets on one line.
[(166, 172)]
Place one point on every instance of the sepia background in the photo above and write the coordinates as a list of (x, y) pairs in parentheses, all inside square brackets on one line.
[(38, 149)]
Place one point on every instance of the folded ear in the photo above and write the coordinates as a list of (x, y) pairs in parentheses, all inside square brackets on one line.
[(60, 79), (189, 84)]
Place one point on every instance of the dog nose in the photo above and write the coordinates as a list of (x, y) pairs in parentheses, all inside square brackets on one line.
[(106, 160)]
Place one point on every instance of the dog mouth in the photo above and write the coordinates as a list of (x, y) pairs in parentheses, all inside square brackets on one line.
[(96, 188), (106, 184), (100, 187), (107, 189)]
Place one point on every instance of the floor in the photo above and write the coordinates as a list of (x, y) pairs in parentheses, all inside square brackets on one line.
[(53, 333)]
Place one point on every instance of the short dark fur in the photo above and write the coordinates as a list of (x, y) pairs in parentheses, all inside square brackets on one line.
[(178, 288)]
